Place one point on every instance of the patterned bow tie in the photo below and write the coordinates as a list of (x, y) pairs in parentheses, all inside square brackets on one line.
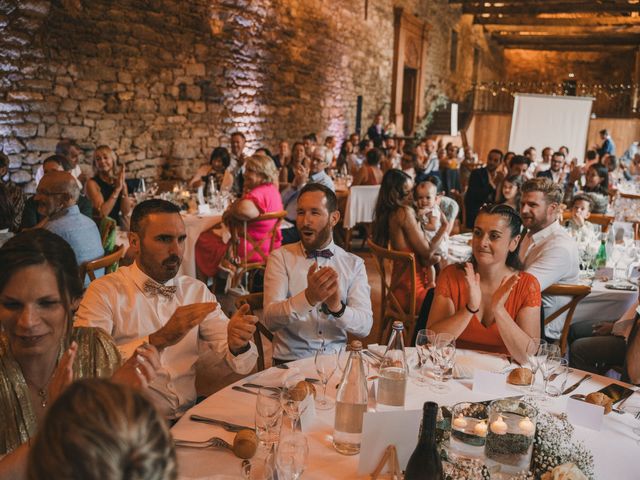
[(154, 288), (320, 253)]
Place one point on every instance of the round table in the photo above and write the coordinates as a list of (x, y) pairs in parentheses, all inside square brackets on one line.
[(613, 447)]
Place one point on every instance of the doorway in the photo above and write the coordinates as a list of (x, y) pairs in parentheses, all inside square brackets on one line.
[(409, 84)]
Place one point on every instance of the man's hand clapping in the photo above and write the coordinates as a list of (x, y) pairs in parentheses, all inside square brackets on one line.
[(182, 320), (240, 329), (323, 286)]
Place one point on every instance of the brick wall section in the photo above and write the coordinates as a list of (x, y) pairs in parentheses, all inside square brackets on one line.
[(164, 82)]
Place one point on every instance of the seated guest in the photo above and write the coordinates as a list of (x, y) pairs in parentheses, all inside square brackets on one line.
[(107, 189), (449, 172), (330, 144), (617, 170), (347, 161), (16, 196), (556, 171), (545, 163), (298, 157), (315, 292), (310, 142), (97, 430), (467, 166), (448, 205), (238, 157), (519, 165), (632, 360), (262, 196), (370, 172), (597, 185), (489, 304), (392, 156), (69, 150), (217, 168), (147, 302), (56, 196), (319, 163), (409, 163), (40, 350), (396, 225), (425, 196), (547, 251), (510, 192), (431, 164), (284, 154), (6, 215), (290, 205), (578, 225), (482, 186), (634, 166)]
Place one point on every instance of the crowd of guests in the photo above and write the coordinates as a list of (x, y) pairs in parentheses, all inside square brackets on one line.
[(127, 343)]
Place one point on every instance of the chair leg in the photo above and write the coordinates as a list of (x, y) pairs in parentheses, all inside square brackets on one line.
[(347, 240)]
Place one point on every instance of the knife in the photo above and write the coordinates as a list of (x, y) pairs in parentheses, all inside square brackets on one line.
[(243, 390), (229, 427), (576, 385)]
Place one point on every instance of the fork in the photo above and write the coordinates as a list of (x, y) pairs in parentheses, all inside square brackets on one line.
[(216, 442)]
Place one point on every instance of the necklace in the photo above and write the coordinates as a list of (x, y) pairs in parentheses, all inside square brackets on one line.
[(41, 391)]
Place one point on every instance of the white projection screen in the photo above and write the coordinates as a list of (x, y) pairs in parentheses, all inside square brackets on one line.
[(550, 121)]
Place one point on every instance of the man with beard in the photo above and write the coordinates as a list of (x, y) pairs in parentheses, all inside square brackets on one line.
[(483, 183), (314, 291), (147, 302), (556, 172), (547, 251), (236, 166)]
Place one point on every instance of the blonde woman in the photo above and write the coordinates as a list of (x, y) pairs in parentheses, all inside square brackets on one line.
[(261, 195), (107, 189)]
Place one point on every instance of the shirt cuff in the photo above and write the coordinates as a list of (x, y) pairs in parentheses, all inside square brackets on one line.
[(244, 362), (300, 305), (128, 349)]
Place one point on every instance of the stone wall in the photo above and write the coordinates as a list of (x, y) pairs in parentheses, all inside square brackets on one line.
[(164, 82)]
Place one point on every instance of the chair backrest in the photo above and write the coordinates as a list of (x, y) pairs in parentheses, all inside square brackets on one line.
[(361, 205), (605, 221), (238, 235), (577, 292), (393, 267), (255, 302), (90, 267)]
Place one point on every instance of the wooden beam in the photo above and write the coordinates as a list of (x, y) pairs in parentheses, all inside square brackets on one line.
[(530, 20), (564, 30), (535, 8), (511, 39), (572, 48)]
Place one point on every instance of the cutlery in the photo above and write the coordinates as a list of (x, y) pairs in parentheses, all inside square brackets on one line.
[(283, 366), (212, 442), (372, 356), (312, 380), (243, 390), (229, 427), (576, 385), (257, 385)]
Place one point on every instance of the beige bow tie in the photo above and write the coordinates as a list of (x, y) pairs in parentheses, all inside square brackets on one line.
[(154, 288)]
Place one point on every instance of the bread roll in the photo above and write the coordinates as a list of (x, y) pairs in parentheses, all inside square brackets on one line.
[(245, 443), (598, 398), (520, 376), (302, 390)]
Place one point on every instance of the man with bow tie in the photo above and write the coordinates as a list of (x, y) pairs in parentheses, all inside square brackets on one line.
[(148, 302), (314, 291)]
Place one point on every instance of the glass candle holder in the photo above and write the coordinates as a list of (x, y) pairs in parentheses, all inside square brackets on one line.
[(469, 427), (512, 429)]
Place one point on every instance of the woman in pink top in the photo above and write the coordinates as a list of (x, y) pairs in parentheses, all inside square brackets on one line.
[(261, 196)]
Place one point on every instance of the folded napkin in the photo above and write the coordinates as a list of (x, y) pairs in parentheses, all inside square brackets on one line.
[(467, 361)]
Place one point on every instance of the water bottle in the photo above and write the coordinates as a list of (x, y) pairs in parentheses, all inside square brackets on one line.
[(351, 403), (425, 462), (212, 186), (392, 384), (601, 256)]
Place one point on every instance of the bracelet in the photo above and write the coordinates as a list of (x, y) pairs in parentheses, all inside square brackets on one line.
[(472, 312)]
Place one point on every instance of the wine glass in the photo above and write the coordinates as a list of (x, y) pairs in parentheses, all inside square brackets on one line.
[(268, 416), (291, 456), (444, 354), (558, 378), (534, 357), (257, 469), (326, 363), (292, 397), (424, 339)]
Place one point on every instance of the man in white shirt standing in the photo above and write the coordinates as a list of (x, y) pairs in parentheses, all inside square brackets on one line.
[(547, 251), (69, 149), (146, 302), (314, 291)]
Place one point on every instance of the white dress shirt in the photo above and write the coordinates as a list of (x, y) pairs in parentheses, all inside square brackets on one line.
[(119, 304), (551, 255), (299, 327)]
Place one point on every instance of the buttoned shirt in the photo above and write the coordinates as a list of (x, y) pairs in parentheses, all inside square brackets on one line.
[(119, 304), (299, 328), (322, 178), (551, 255)]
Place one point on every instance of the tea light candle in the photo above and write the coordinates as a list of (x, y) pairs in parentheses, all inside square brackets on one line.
[(499, 427), (459, 422), (481, 429), (526, 426)]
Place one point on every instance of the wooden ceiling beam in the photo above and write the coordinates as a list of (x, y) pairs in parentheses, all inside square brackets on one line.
[(565, 29), (568, 40), (529, 20), (535, 8), (572, 48)]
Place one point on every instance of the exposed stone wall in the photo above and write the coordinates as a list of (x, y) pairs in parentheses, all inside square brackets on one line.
[(164, 82)]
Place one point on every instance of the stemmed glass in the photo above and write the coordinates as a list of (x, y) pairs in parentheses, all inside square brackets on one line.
[(535, 355), (444, 352), (550, 363), (326, 364), (268, 416), (291, 399), (559, 375), (424, 339), (291, 456)]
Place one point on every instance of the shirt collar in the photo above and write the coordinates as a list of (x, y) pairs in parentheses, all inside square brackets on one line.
[(331, 246), (140, 278), (315, 176), (545, 232), (72, 210)]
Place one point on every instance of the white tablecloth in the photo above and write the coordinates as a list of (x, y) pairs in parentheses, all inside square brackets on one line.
[(195, 225), (614, 447), (360, 205)]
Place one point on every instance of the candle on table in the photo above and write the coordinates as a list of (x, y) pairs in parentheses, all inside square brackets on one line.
[(480, 429), (459, 422), (526, 426), (499, 427)]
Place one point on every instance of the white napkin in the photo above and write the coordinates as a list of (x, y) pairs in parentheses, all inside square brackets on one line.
[(467, 361)]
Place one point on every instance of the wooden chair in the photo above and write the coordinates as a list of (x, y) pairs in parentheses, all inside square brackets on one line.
[(255, 302), (392, 308), (605, 221), (89, 268), (240, 234), (577, 292)]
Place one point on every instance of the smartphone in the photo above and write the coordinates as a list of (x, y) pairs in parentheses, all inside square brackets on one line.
[(616, 392)]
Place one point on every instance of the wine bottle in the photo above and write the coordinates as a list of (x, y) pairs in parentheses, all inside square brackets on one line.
[(425, 462)]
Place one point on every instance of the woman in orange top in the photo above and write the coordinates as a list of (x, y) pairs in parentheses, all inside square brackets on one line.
[(489, 304), (370, 172)]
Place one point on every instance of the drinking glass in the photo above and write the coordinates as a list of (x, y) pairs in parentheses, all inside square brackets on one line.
[(268, 417), (257, 470), (291, 456), (291, 399), (558, 378), (423, 343), (326, 364), (535, 355), (444, 354), (343, 357)]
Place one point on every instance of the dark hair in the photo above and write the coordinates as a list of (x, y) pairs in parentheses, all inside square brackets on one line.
[(495, 150), (592, 154), (146, 208), (390, 199), (42, 247), (265, 151), (332, 200), (584, 197), (612, 163), (7, 211), (221, 153), (311, 136), (374, 156), (519, 160), (515, 226), (603, 173), (558, 154), (238, 134), (436, 181), (529, 150), (60, 160), (516, 180), (604, 132), (363, 144), (97, 429), (64, 147), (565, 147)]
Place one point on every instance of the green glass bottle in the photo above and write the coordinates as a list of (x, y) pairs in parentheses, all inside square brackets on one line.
[(601, 256)]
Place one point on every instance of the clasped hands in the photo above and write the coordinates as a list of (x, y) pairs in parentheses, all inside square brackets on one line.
[(323, 285), (499, 297)]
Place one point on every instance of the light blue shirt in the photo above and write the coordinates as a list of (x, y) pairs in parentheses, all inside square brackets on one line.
[(81, 233), (323, 179), (299, 327)]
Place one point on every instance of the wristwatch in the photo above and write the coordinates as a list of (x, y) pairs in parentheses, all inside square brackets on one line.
[(325, 309), (244, 349)]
